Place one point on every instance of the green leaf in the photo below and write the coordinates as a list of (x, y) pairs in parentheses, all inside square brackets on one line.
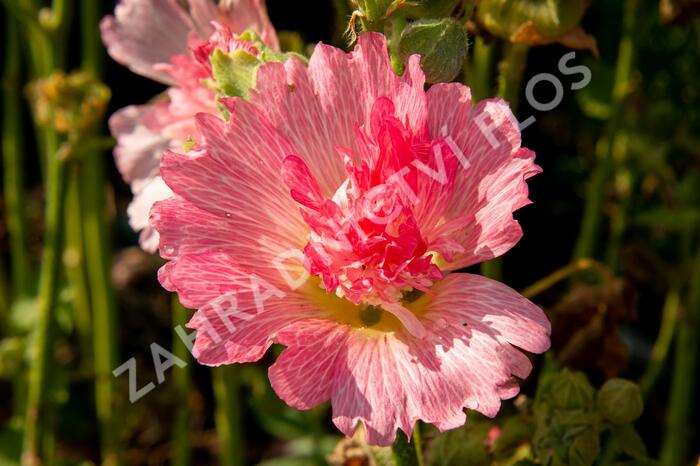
[(628, 441), (585, 448), (464, 446)]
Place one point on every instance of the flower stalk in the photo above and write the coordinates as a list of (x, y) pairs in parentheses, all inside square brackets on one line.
[(96, 245), (408, 452), (35, 418), (228, 415), (662, 345), (182, 380)]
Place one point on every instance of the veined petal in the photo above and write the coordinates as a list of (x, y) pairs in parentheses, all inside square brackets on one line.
[(390, 380), (143, 33), (491, 181)]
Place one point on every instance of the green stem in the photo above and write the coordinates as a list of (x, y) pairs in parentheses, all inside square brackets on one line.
[(564, 273), (183, 384), (595, 192), (13, 166), (74, 262), (228, 415), (398, 24), (97, 247), (511, 71), (676, 445), (405, 452), (48, 285), (480, 70), (662, 345)]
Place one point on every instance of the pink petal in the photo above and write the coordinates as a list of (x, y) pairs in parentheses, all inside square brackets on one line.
[(240, 15), (491, 181), (138, 149), (143, 33), (139, 209), (390, 380), (317, 107), (242, 314), (235, 172), (230, 197), (256, 248)]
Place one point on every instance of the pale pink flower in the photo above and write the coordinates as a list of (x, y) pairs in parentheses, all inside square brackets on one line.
[(164, 40), (375, 190)]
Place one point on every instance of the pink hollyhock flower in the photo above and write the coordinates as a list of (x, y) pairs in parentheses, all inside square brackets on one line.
[(162, 40), (328, 215)]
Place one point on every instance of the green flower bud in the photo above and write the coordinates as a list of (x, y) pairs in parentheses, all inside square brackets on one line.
[(69, 103), (537, 22), (620, 401), (441, 43), (550, 20), (571, 390), (430, 8)]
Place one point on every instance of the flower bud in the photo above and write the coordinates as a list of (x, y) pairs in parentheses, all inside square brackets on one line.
[(535, 22), (430, 8), (620, 401), (571, 390), (441, 43), (70, 103)]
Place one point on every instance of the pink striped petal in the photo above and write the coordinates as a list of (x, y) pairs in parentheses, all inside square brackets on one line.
[(491, 182), (390, 380)]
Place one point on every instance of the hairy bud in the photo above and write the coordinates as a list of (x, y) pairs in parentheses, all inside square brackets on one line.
[(441, 43)]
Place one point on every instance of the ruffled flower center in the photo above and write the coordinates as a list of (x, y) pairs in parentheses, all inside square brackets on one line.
[(365, 242)]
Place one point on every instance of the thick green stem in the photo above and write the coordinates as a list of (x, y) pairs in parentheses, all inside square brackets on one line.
[(97, 249), (675, 450), (407, 453), (46, 303), (595, 192), (182, 380), (228, 415), (13, 166)]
